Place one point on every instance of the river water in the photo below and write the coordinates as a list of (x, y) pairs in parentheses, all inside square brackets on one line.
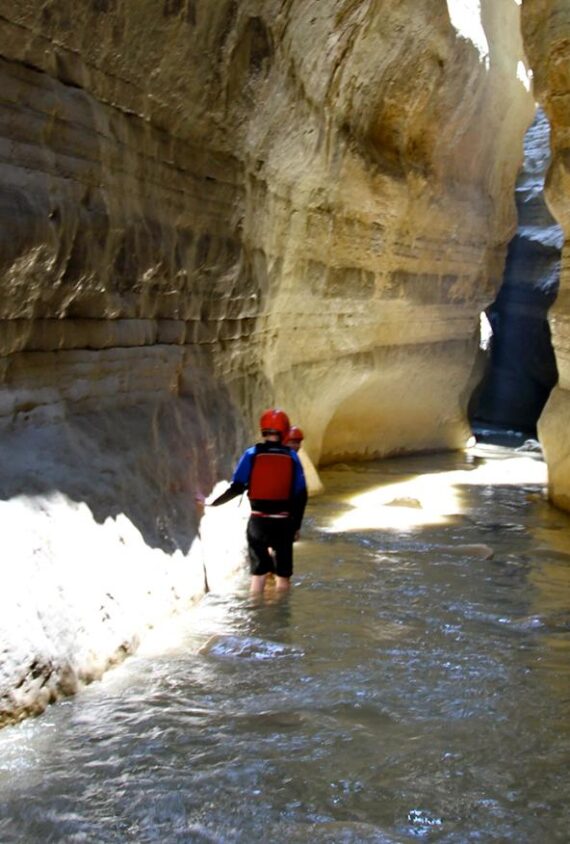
[(409, 686)]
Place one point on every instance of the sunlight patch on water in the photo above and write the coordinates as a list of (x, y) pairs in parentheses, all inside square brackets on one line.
[(506, 471), (433, 498), (427, 499)]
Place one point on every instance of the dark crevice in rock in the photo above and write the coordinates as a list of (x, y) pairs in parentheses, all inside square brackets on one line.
[(522, 367)]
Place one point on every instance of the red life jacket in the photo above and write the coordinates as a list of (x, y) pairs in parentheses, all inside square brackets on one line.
[(272, 475)]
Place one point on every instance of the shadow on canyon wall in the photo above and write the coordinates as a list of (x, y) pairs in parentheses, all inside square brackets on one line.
[(145, 461)]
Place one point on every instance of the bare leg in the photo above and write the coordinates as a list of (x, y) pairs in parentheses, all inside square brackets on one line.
[(282, 583), (257, 584)]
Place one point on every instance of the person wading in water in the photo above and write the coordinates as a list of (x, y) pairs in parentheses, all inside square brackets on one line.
[(274, 479), (294, 438)]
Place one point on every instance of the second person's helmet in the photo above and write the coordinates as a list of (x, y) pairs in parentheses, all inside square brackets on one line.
[(295, 434)]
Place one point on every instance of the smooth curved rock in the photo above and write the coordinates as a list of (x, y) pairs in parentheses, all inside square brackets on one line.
[(320, 195), (546, 31)]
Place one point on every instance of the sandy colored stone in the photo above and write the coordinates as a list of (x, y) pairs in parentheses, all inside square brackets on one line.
[(405, 501), (308, 188), (546, 32)]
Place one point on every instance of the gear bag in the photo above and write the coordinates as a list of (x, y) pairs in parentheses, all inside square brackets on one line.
[(272, 475)]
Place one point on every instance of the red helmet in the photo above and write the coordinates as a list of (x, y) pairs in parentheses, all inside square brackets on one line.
[(274, 421), (295, 433)]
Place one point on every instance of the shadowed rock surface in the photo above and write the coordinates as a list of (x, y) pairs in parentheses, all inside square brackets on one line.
[(523, 368)]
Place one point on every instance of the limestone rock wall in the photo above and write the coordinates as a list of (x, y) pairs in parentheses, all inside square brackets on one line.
[(298, 187), (546, 31), (206, 207)]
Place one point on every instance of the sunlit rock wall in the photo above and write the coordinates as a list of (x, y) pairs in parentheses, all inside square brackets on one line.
[(206, 207), (318, 193), (522, 369), (546, 30)]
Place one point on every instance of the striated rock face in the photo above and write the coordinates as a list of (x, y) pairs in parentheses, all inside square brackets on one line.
[(207, 207), (523, 369), (546, 31), (318, 194)]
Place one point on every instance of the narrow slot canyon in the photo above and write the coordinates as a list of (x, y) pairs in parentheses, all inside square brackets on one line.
[(356, 210), (521, 365)]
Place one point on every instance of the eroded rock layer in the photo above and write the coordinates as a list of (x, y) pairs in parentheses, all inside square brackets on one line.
[(207, 207), (292, 185), (546, 30)]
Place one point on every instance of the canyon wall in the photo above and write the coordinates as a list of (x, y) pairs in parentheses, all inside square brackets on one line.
[(522, 370), (207, 208), (546, 31)]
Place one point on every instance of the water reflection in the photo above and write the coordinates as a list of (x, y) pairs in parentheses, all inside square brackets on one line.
[(404, 688)]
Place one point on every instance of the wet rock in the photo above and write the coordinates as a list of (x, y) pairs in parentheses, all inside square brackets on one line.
[(247, 648), (78, 596), (414, 503), (532, 446)]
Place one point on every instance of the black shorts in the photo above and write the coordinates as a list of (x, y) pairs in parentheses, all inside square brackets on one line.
[(264, 533)]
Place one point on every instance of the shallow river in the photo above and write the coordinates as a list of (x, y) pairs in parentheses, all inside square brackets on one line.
[(406, 688)]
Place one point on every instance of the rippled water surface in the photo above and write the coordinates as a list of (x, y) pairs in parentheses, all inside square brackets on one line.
[(408, 687)]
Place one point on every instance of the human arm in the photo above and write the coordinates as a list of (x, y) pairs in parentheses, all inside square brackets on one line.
[(300, 495), (234, 489), (239, 482)]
